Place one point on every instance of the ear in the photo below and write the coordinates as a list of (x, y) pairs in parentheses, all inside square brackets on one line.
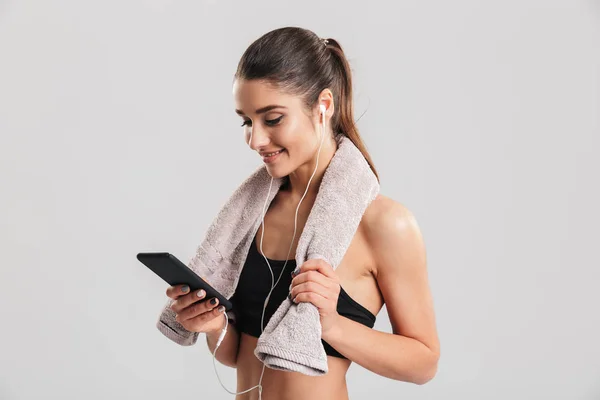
[(325, 102)]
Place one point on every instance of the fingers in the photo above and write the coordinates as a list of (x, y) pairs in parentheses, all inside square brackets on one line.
[(199, 310), (310, 286), (321, 266), (187, 300), (316, 283), (192, 310), (208, 316), (174, 292), (314, 274), (311, 297)]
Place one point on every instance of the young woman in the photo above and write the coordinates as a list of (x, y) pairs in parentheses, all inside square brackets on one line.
[(282, 80)]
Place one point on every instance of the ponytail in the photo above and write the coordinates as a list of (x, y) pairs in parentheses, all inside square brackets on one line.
[(343, 120)]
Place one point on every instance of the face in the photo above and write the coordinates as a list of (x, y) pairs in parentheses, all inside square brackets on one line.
[(274, 121)]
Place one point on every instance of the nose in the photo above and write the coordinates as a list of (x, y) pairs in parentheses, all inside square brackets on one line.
[(257, 138)]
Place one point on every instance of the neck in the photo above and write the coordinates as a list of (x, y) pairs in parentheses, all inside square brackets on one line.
[(298, 179)]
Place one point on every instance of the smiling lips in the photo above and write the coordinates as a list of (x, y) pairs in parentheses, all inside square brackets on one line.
[(271, 156), (270, 153)]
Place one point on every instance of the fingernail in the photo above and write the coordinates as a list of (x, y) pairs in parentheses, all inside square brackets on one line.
[(213, 301), (185, 288), (221, 309), (201, 293)]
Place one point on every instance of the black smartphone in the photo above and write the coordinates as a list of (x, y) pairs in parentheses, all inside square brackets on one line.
[(174, 272)]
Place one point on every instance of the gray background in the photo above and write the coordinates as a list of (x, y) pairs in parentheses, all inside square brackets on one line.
[(118, 135)]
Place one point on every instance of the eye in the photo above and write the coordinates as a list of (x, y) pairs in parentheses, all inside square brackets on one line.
[(272, 122), (247, 122)]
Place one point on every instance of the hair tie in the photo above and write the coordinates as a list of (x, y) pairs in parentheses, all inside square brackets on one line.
[(325, 42)]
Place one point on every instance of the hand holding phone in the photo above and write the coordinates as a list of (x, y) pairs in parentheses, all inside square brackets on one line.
[(198, 307), (194, 311)]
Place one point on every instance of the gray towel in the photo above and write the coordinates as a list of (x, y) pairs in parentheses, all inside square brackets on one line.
[(291, 341)]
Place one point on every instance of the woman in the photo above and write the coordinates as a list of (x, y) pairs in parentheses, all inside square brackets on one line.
[(282, 80)]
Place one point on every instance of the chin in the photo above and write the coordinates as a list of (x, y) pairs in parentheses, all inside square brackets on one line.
[(280, 170), (277, 173)]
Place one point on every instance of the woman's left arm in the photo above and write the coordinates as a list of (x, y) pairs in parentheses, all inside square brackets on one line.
[(412, 351)]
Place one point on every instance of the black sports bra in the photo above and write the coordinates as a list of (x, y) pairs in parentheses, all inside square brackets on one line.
[(253, 287)]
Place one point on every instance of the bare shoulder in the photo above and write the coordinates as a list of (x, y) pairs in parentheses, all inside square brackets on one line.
[(389, 225), (383, 208)]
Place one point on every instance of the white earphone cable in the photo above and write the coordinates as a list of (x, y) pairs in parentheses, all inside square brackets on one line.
[(273, 284)]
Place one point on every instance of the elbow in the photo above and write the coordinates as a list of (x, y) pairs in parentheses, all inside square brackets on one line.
[(429, 370), (425, 377)]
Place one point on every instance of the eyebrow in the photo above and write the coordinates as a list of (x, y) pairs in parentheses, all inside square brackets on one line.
[(262, 110)]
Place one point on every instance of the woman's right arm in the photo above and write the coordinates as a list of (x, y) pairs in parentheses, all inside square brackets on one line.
[(228, 349)]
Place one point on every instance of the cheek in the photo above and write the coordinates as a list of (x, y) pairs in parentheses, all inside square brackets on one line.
[(291, 135)]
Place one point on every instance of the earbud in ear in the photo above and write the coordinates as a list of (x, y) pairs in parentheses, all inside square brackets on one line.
[(323, 109)]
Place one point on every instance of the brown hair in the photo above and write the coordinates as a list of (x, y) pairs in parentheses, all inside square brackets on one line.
[(301, 63)]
